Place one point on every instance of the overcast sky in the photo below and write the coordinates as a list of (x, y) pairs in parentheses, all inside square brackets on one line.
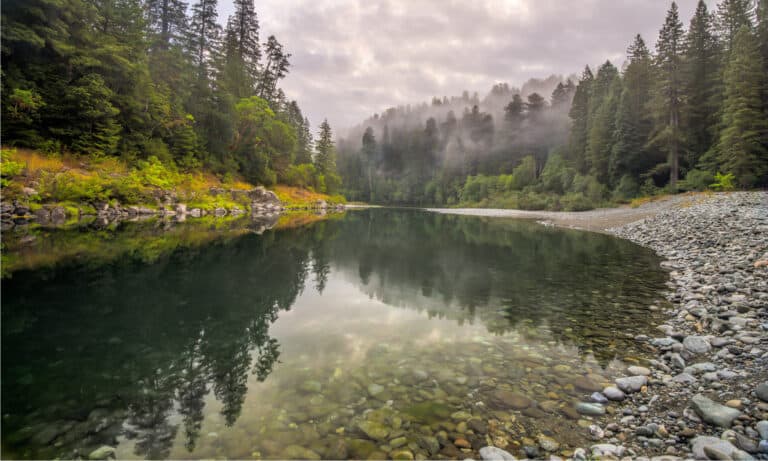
[(353, 58)]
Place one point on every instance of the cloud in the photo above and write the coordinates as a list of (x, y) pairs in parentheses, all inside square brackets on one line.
[(353, 58)]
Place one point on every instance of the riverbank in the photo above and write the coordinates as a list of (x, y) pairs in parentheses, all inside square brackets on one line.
[(704, 391), (598, 220), (53, 190)]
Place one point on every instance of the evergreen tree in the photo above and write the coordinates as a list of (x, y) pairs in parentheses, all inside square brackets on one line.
[(325, 159), (242, 50), (667, 98), (579, 114), (204, 36), (633, 125), (701, 72), (369, 157), (167, 22), (731, 16), (603, 102), (742, 147), (762, 38), (275, 68)]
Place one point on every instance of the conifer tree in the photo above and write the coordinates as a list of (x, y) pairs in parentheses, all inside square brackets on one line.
[(731, 15), (667, 98), (633, 125), (579, 114), (741, 149), (701, 73), (325, 159), (606, 89)]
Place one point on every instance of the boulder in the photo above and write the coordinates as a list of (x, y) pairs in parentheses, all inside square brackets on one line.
[(712, 412), (58, 214), (705, 447), (697, 344), (762, 391)]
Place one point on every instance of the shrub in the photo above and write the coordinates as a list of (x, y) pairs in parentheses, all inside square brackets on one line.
[(723, 182), (697, 180), (575, 201), (627, 189), (524, 174)]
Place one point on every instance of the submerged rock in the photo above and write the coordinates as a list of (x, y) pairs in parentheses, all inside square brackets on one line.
[(590, 409), (103, 452), (495, 454), (512, 399)]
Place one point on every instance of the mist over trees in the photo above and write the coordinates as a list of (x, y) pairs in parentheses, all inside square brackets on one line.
[(154, 78), (689, 115)]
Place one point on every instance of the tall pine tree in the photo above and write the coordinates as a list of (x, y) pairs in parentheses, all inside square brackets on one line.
[(579, 114), (701, 73), (741, 149), (667, 99), (633, 124)]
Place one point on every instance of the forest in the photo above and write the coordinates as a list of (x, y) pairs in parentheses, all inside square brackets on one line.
[(691, 115), (157, 80)]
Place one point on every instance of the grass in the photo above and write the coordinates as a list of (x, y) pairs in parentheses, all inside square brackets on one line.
[(295, 197)]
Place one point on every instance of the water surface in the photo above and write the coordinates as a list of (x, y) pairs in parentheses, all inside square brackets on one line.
[(365, 336)]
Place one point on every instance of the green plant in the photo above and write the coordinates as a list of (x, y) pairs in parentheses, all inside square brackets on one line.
[(697, 180), (723, 182)]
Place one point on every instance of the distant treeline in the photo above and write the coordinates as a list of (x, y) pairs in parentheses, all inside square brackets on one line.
[(692, 115), (156, 78)]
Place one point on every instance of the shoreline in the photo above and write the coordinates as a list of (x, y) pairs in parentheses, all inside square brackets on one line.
[(704, 393), (597, 220)]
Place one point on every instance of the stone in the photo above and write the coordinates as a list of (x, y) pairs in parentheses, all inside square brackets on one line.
[(684, 378), (614, 393), (762, 391), (494, 453), (595, 432), (586, 384), (461, 416), (590, 409), (547, 443), (195, 212), (703, 444), (462, 443), (103, 452), (697, 344), (299, 452), (374, 430), (512, 400), (637, 370), (762, 429), (607, 450), (598, 397), (430, 444), (375, 389), (405, 455), (398, 442), (631, 384), (714, 413)]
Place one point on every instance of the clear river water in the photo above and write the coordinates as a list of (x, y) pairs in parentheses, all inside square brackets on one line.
[(375, 334)]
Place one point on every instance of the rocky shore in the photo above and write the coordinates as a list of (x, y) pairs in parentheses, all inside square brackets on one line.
[(704, 395), (258, 202)]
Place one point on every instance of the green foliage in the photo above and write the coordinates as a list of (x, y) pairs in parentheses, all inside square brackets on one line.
[(723, 182), (151, 79), (8, 168), (626, 189), (698, 180), (743, 145)]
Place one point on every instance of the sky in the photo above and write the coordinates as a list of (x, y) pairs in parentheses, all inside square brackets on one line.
[(353, 58)]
